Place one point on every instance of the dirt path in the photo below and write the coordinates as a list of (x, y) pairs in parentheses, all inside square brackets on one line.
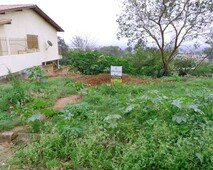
[(62, 102)]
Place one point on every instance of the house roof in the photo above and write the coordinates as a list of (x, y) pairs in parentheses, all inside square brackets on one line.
[(5, 8)]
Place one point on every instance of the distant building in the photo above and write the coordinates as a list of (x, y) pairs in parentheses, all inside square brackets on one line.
[(28, 37)]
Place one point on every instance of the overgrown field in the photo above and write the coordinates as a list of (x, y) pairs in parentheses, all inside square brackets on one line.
[(164, 125)]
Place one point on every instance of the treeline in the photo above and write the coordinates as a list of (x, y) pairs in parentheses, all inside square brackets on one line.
[(143, 61)]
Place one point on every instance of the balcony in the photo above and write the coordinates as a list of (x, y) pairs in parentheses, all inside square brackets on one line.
[(14, 46)]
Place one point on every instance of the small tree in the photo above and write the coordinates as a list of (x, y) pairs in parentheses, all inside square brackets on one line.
[(111, 50), (82, 43), (63, 50), (63, 47), (167, 22)]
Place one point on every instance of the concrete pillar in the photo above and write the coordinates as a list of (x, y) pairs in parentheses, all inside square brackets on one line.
[(8, 46)]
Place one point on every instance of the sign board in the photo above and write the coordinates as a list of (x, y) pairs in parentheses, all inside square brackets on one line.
[(116, 71), (116, 74)]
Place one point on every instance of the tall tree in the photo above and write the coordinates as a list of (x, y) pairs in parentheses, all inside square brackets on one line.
[(167, 22)]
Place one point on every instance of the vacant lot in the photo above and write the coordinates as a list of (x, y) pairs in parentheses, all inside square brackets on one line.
[(158, 124)]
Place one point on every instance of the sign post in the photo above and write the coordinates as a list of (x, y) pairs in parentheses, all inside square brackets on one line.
[(116, 74)]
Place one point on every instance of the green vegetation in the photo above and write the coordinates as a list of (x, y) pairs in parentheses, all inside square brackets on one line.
[(164, 125), (146, 61), (95, 62), (204, 69), (36, 73), (20, 100), (192, 67), (156, 18), (143, 62), (8, 121)]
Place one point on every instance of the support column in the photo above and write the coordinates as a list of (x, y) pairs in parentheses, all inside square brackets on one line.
[(58, 65), (8, 46)]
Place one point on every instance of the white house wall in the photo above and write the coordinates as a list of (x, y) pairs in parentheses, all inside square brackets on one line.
[(2, 32), (28, 22), (24, 61)]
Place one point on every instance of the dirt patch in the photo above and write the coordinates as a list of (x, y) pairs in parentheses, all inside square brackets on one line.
[(62, 102), (105, 78)]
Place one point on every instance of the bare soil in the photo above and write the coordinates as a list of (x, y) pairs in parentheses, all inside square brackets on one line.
[(62, 102), (94, 80)]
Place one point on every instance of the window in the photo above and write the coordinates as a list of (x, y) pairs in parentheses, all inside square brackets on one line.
[(32, 41)]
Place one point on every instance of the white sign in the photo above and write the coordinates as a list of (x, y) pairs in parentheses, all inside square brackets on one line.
[(116, 71)]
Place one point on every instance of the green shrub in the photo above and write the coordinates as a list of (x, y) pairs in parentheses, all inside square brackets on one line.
[(146, 61), (18, 94), (8, 121), (204, 69), (95, 62), (36, 73), (183, 66)]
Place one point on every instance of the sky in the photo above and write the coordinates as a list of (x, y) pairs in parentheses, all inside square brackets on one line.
[(95, 19)]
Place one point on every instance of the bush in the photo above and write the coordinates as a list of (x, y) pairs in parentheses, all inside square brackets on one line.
[(192, 67), (204, 69), (18, 94), (146, 61), (36, 73), (95, 62), (183, 66)]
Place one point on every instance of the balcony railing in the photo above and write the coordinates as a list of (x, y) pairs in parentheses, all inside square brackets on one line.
[(14, 46)]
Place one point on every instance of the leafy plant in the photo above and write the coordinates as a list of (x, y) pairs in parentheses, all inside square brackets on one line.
[(146, 61), (95, 62), (36, 73), (18, 92), (164, 125)]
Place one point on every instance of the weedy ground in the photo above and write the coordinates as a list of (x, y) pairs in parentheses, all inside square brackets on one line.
[(158, 125)]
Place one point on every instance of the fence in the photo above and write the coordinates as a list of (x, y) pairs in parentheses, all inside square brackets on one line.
[(13, 46)]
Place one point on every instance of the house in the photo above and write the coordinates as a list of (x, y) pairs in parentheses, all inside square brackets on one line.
[(28, 37)]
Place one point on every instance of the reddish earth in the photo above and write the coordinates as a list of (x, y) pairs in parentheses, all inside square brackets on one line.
[(106, 78), (62, 102)]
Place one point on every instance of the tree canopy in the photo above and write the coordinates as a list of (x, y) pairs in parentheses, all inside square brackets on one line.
[(168, 23)]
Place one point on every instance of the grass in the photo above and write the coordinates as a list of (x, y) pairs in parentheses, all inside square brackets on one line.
[(8, 121), (165, 125), (19, 100)]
